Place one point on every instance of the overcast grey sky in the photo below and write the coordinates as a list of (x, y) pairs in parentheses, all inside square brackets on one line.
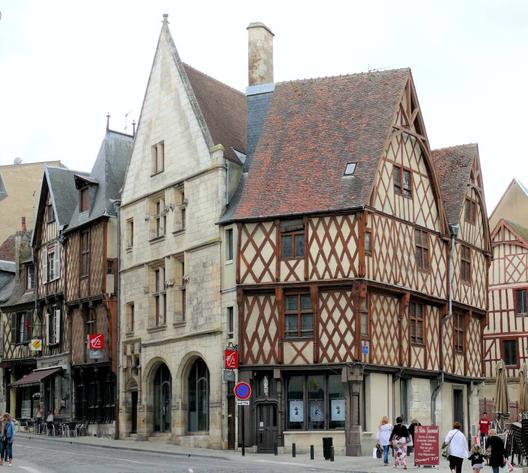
[(65, 64)]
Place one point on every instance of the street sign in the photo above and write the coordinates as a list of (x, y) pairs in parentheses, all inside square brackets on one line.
[(35, 344), (96, 354), (96, 341), (230, 359), (242, 391), (242, 403), (229, 375)]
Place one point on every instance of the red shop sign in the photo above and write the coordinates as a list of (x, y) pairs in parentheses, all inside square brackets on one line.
[(230, 359), (96, 341), (427, 445)]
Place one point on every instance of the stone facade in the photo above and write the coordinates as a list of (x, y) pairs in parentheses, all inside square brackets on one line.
[(174, 280)]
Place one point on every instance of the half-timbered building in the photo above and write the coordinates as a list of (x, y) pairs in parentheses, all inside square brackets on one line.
[(91, 252), (177, 279), (345, 248), (506, 333), (19, 325)]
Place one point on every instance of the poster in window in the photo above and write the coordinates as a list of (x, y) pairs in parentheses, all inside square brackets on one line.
[(338, 409), (317, 411), (25, 412), (296, 413)]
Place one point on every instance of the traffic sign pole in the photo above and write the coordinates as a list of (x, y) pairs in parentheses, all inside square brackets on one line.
[(242, 408), (242, 392)]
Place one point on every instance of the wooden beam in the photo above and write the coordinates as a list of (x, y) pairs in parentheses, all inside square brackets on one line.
[(314, 296), (239, 238), (278, 250), (279, 299), (241, 325)]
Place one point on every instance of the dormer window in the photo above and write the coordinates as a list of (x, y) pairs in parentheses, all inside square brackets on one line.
[(50, 214), (84, 199), (30, 276), (350, 169)]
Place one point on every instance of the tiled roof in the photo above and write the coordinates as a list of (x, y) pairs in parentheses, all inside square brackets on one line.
[(7, 249), (519, 229), (312, 130), (453, 170), (223, 109)]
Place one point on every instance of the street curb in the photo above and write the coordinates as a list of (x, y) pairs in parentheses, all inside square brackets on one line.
[(119, 447)]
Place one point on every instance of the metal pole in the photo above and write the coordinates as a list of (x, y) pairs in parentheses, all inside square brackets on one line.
[(312, 452), (243, 432), (332, 453), (294, 450)]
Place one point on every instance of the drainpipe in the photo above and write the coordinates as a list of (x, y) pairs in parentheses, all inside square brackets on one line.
[(117, 285), (453, 231)]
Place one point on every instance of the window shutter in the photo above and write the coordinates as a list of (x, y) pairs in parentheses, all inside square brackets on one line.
[(47, 327), (57, 325), (56, 262), (44, 265)]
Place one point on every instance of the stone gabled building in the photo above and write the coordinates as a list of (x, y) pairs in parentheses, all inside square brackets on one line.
[(175, 298)]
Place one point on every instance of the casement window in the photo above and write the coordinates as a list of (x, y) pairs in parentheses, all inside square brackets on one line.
[(130, 317), (129, 233), (368, 242), (364, 318), (53, 325), (29, 271), (292, 239), (158, 158), (315, 402), (298, 315), (229, 245), (470, 211), (85, 253), (180, 288), (110, 266), (159, 295), (510, 353), (402, 181), (50, 213), (458, 331), (21, 327), (84, 199), (180, 206), (90, 323), (421, 239), (51, 263), (465, 263), (416, 321), (520, 298), (230, 322), (158, 218)]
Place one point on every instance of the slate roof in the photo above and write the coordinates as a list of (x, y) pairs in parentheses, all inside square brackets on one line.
[(61, 183), (7, 279), (3, 191), (312, 130), (106, 179), (223, 109), (7, 248), (453, 170)]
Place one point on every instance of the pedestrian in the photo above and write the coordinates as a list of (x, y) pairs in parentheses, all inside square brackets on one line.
[(410, 447), (399, 439), (3, 442), (484, 426), (383, 437), (495, 451), (49, 422), (8, 436), (477, 459), (457, 449), (39, 414)]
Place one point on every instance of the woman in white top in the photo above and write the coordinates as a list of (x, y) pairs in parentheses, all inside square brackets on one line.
[(457, 447), (383, 437)]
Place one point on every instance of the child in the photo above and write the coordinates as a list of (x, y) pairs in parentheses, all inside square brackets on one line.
[(477, 459)]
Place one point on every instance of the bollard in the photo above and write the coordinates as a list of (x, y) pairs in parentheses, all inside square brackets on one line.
[(294, 450), (276, 448), (312, 456), (332, 453)]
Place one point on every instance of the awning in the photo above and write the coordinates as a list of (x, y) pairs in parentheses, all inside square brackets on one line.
[(35, 377)]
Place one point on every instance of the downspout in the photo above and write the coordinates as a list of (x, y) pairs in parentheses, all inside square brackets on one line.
[(117, 206), (453, 231)]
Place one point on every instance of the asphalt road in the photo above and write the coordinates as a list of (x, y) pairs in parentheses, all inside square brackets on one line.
[(47, 456)]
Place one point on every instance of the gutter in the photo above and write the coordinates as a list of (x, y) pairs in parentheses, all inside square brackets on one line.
[(117, 206), (453, 231)]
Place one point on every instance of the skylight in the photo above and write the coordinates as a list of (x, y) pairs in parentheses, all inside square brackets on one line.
[(350, 169)]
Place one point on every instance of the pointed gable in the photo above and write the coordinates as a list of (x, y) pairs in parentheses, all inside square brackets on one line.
[(512, 206), (313, 129)]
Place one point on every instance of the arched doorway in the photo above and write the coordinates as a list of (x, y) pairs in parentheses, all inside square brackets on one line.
[(198, 397), (162, 393)]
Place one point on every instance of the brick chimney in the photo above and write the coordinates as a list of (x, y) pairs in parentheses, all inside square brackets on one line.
[(260, 54), (23, 224)]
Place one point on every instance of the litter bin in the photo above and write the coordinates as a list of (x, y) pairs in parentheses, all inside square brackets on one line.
[(327, 447)]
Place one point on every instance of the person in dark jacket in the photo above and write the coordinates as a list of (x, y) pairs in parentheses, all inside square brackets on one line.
[(497, 452), (414, 424), (398, 440)]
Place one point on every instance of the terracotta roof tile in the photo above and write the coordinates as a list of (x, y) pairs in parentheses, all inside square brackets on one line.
[(224, 111), (7, 249), (312, 130)]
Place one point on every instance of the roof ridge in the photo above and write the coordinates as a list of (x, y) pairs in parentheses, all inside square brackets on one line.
[(34, 163), (454, 146), (354, 74), (214, 79)]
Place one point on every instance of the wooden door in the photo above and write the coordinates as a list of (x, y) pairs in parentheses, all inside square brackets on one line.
[(266, 427)]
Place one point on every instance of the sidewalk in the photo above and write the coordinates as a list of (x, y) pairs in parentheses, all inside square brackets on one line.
[(341, 463)]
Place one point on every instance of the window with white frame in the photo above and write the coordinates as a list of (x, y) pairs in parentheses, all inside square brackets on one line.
[(229, 244), (53, 324), (51, 261), (21, 327)]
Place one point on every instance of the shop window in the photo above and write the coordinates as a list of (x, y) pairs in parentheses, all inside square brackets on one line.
[(299, 316), (315, 402), (198, 396)]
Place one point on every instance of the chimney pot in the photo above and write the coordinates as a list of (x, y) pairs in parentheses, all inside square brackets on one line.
[(260, 54), (24, 226)]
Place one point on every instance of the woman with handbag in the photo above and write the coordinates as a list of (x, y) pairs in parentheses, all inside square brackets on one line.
[(457, 448), (398, 439), (495, 451), (383, 437)]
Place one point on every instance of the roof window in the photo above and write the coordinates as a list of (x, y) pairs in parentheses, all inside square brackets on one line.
[(350, 169)]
